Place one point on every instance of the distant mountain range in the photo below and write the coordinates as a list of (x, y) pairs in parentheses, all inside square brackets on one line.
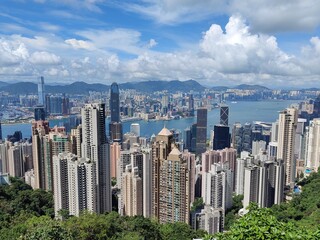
[(146, 86)]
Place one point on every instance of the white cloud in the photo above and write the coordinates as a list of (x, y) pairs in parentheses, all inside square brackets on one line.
[(121, 39), (12, 53), (152, 43), (44, 58), (80, 44)]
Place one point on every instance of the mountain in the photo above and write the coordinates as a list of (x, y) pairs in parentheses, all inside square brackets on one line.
[(77, 88), (3, 84), (250, 87), (220, 88), (171, 86), (20, 88)]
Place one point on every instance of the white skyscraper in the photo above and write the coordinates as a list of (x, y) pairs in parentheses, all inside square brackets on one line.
[(286, 141), (313, 145), (74, 184), (96, 148), (135, 128)]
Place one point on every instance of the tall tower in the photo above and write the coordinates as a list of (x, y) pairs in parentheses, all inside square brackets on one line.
[(0, 131), (221, 137), (96, 148), (41, 93), (224, 115), (286, 140), (201, 130), (313, 145), (115, 102), (115, 126)]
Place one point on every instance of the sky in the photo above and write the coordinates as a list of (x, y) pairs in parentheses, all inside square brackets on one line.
[(275, 43)]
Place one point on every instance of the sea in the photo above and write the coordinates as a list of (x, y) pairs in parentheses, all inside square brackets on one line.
[(241, 111)]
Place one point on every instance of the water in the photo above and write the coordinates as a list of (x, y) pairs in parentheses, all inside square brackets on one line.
[(242, 111)]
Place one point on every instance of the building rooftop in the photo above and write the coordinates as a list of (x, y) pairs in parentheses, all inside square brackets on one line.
[(175, 151), (165, 132)]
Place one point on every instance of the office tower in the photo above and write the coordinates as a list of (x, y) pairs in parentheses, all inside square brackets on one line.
[(55, 105), (191, 105), (247, 137), (193, 138), (39, 113), (201, 135), (135, 128), (65, 105), (313, 145), (217, 187), (96, 148), (209, 219), (15, 161), (187, 139), (74, 184), (236, 139), (221, 138), (132, 193), (0, 131), (114, 156), (115, 102), (165, 102), (224, 115), (115, 131), (41, 92), (258, 146), (286, 140)]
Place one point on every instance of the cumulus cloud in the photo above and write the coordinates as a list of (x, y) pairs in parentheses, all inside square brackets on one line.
[(12, 53), (44, 58), (152, 43)]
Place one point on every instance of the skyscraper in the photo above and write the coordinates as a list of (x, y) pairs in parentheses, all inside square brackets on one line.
[(39, 113), (135, 128), (96, 148), (224, 115), (0, 131), (41, 92), (286, 140), (221, 137), (115, 102), (115, 126), (313, 145), (201, 130)]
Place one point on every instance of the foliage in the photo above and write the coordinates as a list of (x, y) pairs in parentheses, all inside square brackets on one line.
[(197, 204), (232, 213), (304, 209), (260, 223)]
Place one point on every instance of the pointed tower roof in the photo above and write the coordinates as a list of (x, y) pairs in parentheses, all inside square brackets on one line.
[(165, 132), (175, 151)]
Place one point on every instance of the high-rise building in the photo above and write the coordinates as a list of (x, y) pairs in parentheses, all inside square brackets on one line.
[(39, 113), (114, 157), (236, 139), (135, 128), (115, 131), (286, 140), (170, 181), (132, 193), (0, 131), (224, 115), (209, 219), (96, 148), (41, 92), (191, 105), (316, 107), (221, 138), (74, 184), (201, 136), (217, 187), (115, 102), (15, 161), (242, 163), (313, 145), (76, 140)]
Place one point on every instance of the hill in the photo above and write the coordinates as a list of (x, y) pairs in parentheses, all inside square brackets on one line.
[(251, 87), (3, 84), (171, 86), (84, 88)]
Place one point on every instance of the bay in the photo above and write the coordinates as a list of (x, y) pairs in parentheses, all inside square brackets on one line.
[(242, 111)]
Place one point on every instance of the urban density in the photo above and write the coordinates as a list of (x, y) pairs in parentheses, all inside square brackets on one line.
[(97, 167)]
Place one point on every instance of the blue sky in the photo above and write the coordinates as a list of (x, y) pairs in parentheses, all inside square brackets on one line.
[(270, 42)]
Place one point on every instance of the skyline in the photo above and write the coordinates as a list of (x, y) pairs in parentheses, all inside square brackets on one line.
[(214, 43)]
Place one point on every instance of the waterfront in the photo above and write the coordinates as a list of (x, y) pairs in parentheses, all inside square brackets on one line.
[(242, 111)]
